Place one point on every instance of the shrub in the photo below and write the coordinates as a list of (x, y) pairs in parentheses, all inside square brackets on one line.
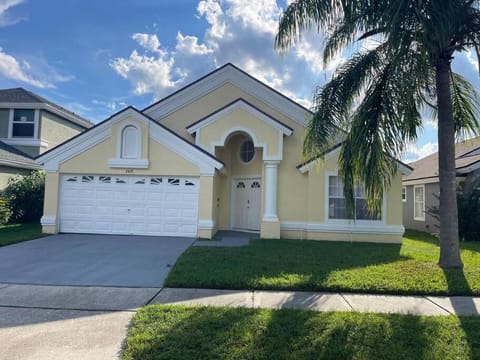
[(4, 211), (468, 204), (24, 196)]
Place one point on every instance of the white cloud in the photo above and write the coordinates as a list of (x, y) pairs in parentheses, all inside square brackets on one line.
[(11, 68), (472, 59), (5, 18), (188, 45), (234, 33), (415, 152)]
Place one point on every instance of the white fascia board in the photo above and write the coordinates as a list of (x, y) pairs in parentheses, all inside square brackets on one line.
[(240, 104), (431, 180), (229, 74), (44, 106), (19, 164), (311, 164), (189, 152)]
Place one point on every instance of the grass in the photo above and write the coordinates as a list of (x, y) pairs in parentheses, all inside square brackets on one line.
[(12, 234), (410, 268), (175, 332)]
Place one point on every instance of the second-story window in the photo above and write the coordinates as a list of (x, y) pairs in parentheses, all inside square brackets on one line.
[(23, 124)]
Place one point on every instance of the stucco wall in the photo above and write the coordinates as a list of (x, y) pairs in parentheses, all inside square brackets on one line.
[(430, 224), (6, 172), (55, 130)]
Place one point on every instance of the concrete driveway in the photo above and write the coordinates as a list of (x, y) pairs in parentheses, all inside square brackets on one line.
[(92, 260), (72, 296)]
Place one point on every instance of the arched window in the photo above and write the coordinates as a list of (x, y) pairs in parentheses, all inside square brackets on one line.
[(130, 143)]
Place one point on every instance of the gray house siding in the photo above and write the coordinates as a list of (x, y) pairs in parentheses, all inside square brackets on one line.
[(4, 119), (430, 224)]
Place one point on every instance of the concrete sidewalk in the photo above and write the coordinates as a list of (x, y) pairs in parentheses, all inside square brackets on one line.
[(317, 301)]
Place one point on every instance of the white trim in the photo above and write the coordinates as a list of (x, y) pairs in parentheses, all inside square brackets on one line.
[(405, 170), (25, 142), (418, 218), (44, 106), (342, 222), (270, 190), (404, 188), (311, 164), (121, 140), (129, 163), (86, 140), (228, 74), (48, 220), (339, 228), (134, 163), (252, 135), (206, 224), (36, 126), (240, 104), (19, 164)]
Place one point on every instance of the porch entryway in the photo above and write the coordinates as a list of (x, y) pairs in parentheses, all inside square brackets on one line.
[(246, 203)]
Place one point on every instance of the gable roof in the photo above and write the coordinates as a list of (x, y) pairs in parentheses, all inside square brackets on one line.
[(17, 96), (334, 150), (228, 73), (10, 156), (467, 159), (99, 132), (239, 104)]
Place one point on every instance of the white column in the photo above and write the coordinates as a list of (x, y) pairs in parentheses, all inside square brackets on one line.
[(271, 176)]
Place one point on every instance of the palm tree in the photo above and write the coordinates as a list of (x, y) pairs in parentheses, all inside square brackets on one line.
[(378, 95)]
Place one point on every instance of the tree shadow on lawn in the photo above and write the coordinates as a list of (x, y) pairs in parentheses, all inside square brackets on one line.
[(464, 305), (202, 332), (279, 264)]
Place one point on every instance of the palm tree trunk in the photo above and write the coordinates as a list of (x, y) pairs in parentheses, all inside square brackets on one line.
[(449, 245)]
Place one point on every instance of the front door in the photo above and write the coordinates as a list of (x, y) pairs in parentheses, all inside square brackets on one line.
[(246, 195)]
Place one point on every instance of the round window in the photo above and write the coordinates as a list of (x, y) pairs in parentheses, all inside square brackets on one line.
[(247, 150)]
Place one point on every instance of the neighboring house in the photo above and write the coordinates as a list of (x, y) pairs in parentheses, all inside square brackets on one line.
[(29, 126), (221, 153), (420, 189)]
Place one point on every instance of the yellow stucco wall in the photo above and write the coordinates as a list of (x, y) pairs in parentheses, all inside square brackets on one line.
[(95, 159), (55, 130)]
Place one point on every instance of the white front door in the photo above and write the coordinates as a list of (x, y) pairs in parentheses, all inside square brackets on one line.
[(246, 196), (140, 205)]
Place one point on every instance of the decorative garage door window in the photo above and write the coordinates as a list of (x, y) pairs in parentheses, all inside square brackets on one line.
[(142, 205), (255, 185)]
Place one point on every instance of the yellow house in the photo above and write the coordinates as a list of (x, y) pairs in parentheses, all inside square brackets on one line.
[(221, 153)]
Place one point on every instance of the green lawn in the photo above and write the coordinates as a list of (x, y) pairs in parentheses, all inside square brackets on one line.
[(12, 234), (175, 332), (313, 265)]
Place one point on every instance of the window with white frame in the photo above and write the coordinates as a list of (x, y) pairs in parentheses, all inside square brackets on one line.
[(130, 145), (23, 123), (404, 194), (419, 203), (336, 202)]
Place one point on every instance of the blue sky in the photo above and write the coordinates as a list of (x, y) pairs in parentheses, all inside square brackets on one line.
[(95, 57)]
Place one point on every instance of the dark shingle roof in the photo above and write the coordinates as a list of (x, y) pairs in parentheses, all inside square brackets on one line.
[(20, 95), (465, 155), (12, 157)]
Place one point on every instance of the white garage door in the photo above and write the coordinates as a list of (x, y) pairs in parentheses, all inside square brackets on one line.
[(140, 205)]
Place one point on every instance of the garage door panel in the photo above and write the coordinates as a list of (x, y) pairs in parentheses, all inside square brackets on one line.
[(149, 205)]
